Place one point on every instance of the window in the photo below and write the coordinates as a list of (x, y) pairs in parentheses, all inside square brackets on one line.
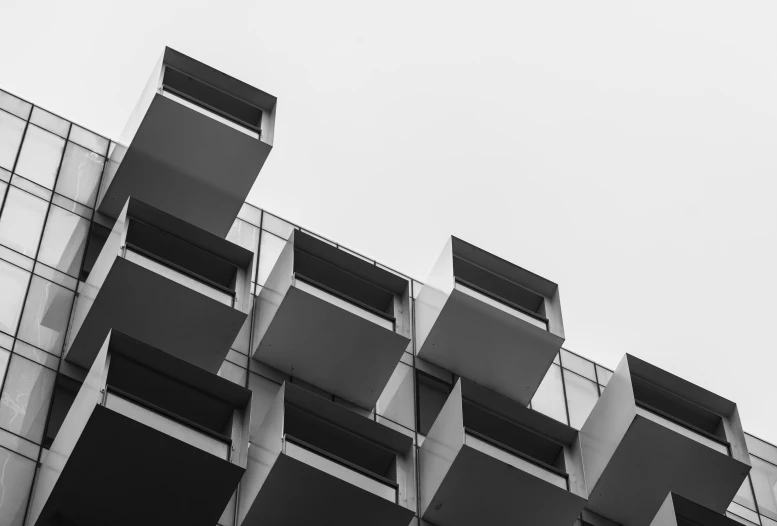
[(22, 221), (432, 395)]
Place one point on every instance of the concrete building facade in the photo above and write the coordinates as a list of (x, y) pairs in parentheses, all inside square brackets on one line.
[(170, 354)]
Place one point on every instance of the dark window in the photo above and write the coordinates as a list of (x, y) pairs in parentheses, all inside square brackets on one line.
[(432, 395)]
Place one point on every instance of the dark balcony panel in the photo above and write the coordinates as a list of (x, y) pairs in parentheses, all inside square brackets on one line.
[(332, 319), (488, 320), (652, 433), (679, 511), (488, 460), (314, 462), (167, 283), (150, 439), (194, 145)]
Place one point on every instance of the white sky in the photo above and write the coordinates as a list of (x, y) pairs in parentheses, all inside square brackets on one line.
[(625, 150)]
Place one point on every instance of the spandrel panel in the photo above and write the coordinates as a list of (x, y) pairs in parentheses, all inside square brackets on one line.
[(40, 156), (582, 395), (79, 176), (25, 399), (22, 221), (13, 283), (46, 314), (64, 241), (17, 474), (11, 131), (549, 398)]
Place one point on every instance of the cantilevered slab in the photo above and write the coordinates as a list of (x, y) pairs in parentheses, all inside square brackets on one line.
[(485, 461), (150, 282), (118, 460), (193, 146), (679, 511), (488, 320), (652, 433), (332, 319), (291, 481)]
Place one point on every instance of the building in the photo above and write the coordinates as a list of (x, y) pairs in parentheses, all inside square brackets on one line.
[(196, 360)]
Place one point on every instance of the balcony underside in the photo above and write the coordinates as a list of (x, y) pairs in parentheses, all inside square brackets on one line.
[(652, 461), (490, 347), (160, 313), (331, 348), (479, 489), (188, 165), (296, 494), (124, 473)]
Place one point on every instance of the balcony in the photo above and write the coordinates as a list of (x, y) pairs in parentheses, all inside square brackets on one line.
[(332, 319), (678, 511), (166, 283), (488, 320), (314, 462), (652, 433), (193, 146), (489, 460), (150, 439)]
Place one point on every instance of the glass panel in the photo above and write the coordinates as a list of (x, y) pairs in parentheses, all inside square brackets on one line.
[(501, 306), (764, 476), (345, 305), (682, 430), (11, 131), (233, 373), (15, 105), (741, 511), (515, 461), (603, 374), (745, 495), (89, 140), (582, 395), (46, 314), (178, 277), (64, 241), (80, 174), (50, 122), (168, 426), (22, 221), (577, 364), (335, 469), (40, 156), (17, 473), (549, 398), (269, 252), (277, 226), (13, 283), (4, 357), (247, 236), (26, 397), (396, 401), (761, 449)]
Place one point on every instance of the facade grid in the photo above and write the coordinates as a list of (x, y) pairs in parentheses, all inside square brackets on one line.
[(51, 234)]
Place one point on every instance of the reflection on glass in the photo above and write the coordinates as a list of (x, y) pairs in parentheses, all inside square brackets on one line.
[(40, 156), (582, 395), (320, 462), (25, 399), (268, 254), (764, 476), (682, 430), (22, 221), (45, 317), (88, 139), (577, 364), (64, 241), (80, 174), (549, 398), (514, 460), (11, 131), (178, 277), (17, 473), (603, 375), (13, 284)]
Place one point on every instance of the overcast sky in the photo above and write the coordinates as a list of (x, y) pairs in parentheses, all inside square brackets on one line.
[(624, 150)]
